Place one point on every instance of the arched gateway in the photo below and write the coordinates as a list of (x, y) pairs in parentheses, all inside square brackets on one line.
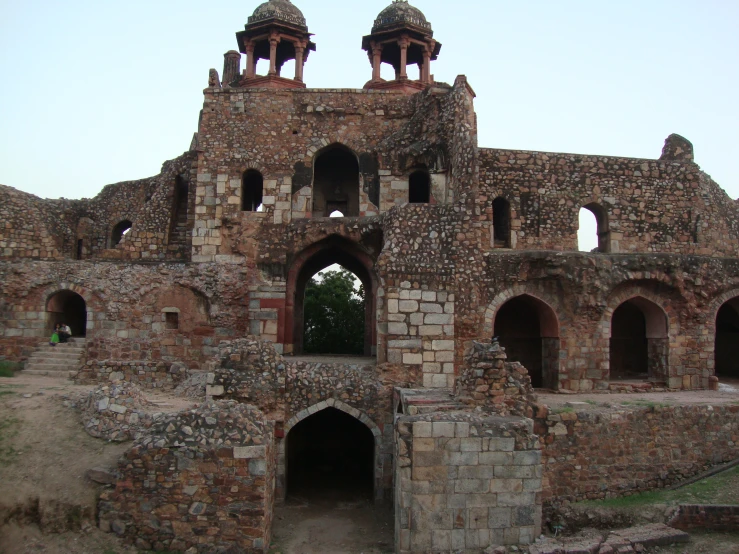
[(68, 307)]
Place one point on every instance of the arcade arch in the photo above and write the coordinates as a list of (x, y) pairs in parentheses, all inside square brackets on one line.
[(528, 329), (726, 349), (639, 342)]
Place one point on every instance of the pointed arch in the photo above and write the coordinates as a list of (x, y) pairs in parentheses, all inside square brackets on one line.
[(336, 181), (282, 460)]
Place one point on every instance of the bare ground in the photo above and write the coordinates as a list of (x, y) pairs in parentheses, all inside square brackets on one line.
[(45, 454)]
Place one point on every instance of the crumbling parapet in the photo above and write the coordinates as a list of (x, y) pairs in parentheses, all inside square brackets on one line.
[(490, 381), (677, 149)]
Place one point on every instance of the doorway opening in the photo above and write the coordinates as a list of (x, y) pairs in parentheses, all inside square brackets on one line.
[(336, 182), (501, 223), (67, 307), (639, 344), (330, 252), (330, 456), (419, 187), (727, 340), (529, 331)]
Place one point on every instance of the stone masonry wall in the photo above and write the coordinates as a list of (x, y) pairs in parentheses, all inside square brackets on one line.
[(465, 482), (589, 455), (663, 205), (202, 479)]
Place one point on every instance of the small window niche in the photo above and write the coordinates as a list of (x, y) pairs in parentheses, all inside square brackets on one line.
[(171, 319), (501, 223), (252, 191)]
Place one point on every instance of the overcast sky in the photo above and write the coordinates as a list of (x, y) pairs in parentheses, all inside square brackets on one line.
[(95, 92)]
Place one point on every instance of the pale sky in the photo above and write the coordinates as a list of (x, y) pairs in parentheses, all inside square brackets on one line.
[(95, 92)]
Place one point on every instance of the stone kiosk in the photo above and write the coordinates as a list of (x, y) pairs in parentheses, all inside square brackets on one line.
[(201, 272)]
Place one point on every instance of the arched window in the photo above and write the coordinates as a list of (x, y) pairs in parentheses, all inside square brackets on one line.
[(419, 187), (501, 223), (593, 234), (336, 182), (252, 190), (119, 231)]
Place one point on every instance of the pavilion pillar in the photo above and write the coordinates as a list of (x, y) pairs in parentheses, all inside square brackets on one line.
[(403, 43), (376, 62), (273, 41), (299, 51), (251, 64)]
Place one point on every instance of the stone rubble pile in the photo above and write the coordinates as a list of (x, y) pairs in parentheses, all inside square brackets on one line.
[(117, 412), (634, 539)]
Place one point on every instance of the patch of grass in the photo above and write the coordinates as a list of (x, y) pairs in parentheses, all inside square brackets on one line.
[(563, 410), (8, 369), (8, 430), (645, 404), (719, 489)]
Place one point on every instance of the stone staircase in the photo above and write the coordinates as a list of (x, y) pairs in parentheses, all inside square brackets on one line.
[(62, 360)]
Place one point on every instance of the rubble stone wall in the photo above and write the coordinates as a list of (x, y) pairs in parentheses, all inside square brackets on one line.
[(589, 455), (660, 205), (466, 481), (203, 479)]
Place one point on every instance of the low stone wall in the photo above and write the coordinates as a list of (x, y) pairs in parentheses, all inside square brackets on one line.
[(145, 374), (590, 455), (465, 482), (710, 518), (202, 478)]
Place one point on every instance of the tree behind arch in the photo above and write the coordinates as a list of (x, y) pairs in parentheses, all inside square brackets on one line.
[(334, 315)]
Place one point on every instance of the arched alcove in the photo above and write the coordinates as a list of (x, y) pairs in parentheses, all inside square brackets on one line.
[(593, 232), (501, 223), (639, 344), (336, 182), (419, 187), (529, 331), (727, 340), (252, 191), (68, 307), (330, 455), (119, 230), (319, 256)]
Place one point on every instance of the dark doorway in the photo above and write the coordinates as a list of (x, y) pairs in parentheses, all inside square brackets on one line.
[(419, 187), (122, 228), (336, 182), (70, 308), (727, 340), (639, 344), (527, 328), (501, 223), (330, 456), (252, 191)]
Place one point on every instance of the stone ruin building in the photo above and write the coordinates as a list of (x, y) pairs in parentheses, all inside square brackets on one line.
[(204, 268)]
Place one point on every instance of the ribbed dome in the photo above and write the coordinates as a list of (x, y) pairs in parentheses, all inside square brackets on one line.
[(281, 10), (398, 13)]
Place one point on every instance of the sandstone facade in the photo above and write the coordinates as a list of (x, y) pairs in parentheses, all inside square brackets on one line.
[(204, 267)]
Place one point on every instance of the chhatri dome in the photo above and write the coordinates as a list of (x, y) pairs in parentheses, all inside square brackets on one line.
[(399, 14), (401, 36), (278, 10)]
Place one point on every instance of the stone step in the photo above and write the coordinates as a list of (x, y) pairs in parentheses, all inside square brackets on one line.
[(52, 366), (38, 357), (46, 373), (49, 350)]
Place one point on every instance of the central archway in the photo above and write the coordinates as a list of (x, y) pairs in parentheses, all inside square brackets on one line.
[(68, 307), (334, 250)]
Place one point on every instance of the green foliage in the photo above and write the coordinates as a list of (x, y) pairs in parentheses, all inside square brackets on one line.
[(8, 369), (334, 315)]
